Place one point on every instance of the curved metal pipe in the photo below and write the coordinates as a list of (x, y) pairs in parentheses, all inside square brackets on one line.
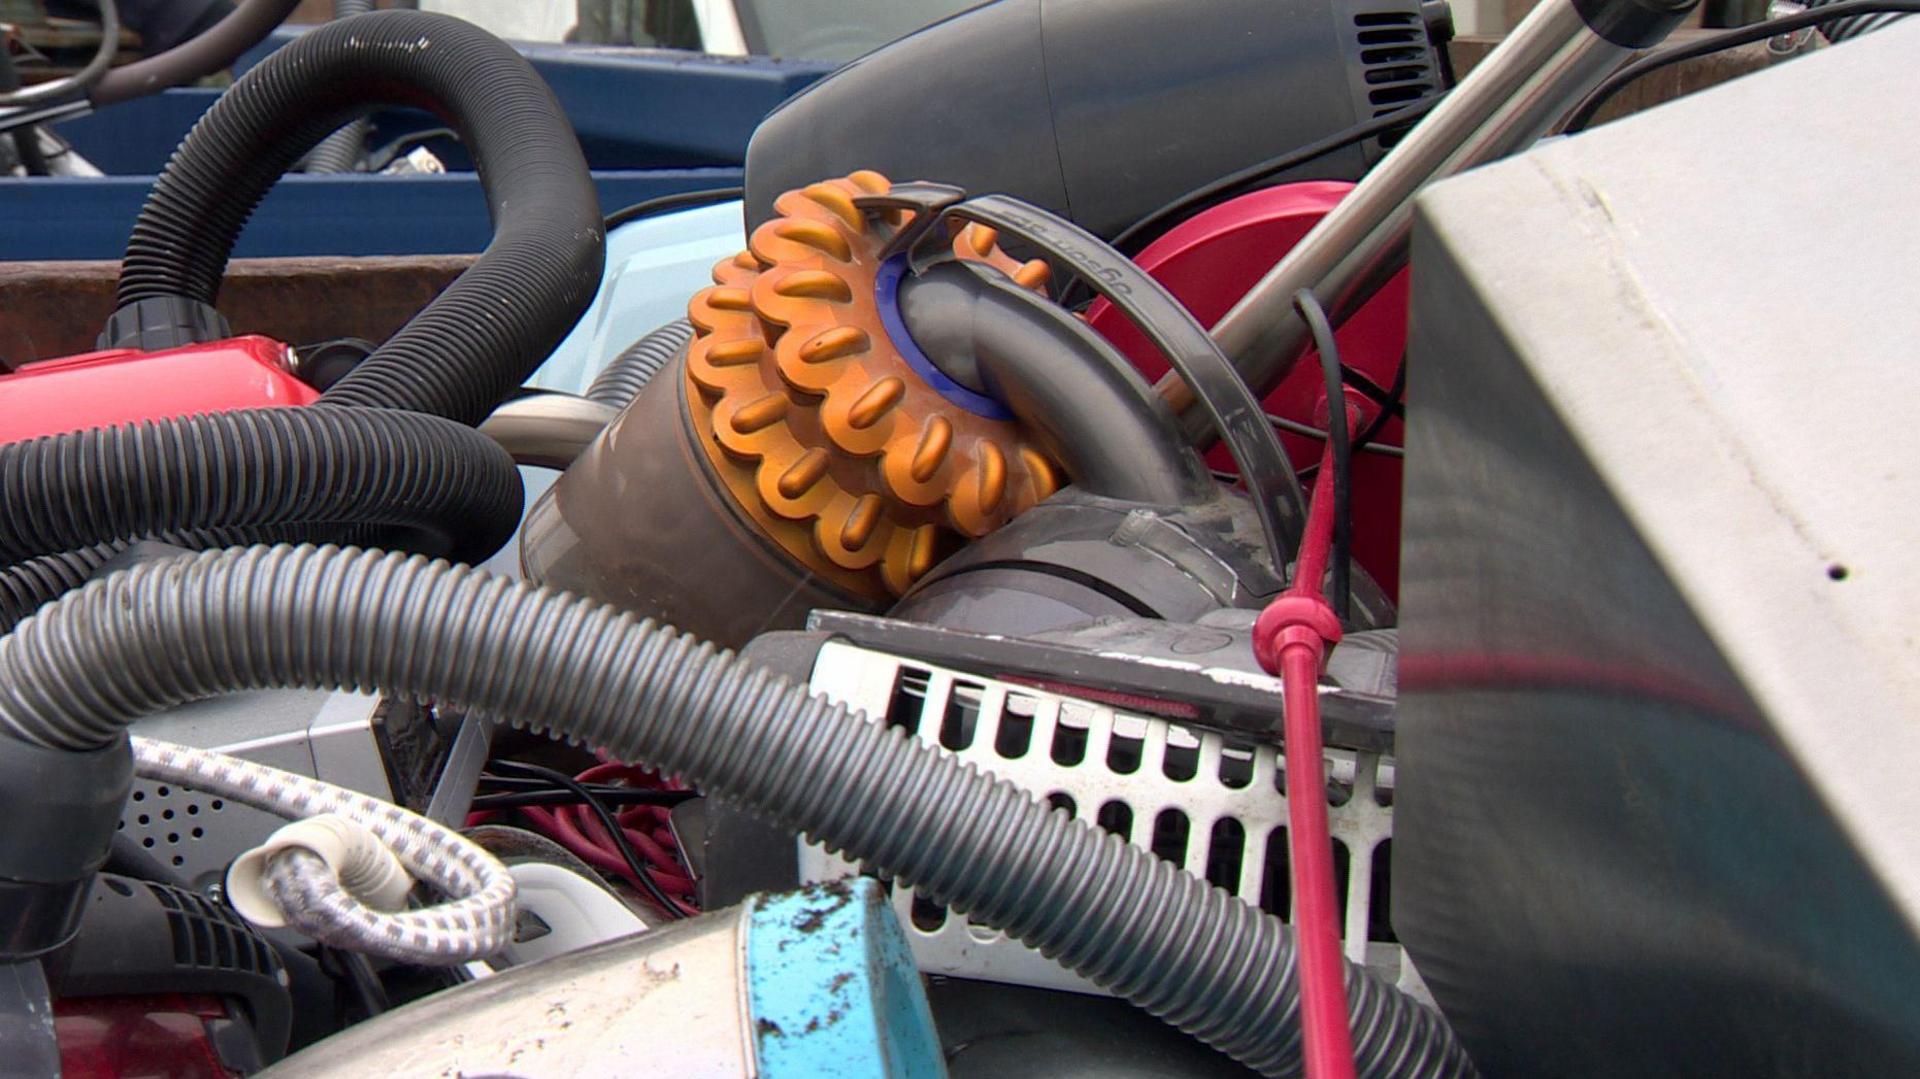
[(547, 430), (1075, 393)]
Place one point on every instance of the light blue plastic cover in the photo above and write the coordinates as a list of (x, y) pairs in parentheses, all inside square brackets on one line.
[(654, 266), (832, 988)]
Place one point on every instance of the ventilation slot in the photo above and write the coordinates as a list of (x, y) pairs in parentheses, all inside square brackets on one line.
[(1397, 66), (961, 718), (1203, 801), (1016, 727), (909, 699), (207, 936)]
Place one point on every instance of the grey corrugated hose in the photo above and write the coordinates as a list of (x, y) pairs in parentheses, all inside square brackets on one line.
[(78, 672)]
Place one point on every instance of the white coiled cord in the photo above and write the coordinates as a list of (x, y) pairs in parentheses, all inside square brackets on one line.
[(475, 921)]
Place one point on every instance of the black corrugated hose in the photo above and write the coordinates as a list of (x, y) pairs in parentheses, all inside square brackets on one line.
[(342, 150), (480, 338), (446, 488), (25, 586), (438, 487), (622, 379), (74, 676)]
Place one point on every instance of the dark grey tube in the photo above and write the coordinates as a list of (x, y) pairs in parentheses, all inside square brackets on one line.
[(1074, 393), (76, 675), (622, 379)]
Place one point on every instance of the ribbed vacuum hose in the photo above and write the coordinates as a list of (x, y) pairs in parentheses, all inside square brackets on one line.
[(449, 487), (481, 337), (621, 380), (342, 150), (26, 586), (159, 634)]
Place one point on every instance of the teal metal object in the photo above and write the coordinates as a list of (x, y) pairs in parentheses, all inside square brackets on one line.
[(832, 989), (654, 266)]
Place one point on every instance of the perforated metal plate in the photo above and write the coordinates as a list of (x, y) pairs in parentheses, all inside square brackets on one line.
[(337, 737), (1213, 806)]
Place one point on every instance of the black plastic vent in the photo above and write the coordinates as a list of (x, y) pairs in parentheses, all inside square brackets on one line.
[(207, 936), (1395, 64)]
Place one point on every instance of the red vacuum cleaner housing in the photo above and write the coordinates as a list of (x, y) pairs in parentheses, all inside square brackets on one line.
[(1209, 261), (95, 389)]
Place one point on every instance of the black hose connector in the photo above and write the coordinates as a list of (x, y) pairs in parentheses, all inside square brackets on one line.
[(447, 488), (74, 676), (61, 809), (621, 381), (481, 337), (1073, 392)]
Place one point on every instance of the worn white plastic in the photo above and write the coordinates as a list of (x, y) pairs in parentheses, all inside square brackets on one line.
[(1164, 780)]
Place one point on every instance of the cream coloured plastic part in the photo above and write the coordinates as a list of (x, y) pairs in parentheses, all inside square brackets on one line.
[(365, 867)]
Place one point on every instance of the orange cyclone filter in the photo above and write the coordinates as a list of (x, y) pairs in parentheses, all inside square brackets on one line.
[(822, 432)]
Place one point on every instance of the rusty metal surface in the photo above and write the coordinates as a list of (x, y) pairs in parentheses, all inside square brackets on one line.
[(50, 309)]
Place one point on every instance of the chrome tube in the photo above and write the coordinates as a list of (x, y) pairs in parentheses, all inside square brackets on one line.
[(547, 430), (1546, 65)]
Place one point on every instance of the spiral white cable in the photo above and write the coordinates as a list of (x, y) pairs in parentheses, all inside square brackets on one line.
[(476, 920)]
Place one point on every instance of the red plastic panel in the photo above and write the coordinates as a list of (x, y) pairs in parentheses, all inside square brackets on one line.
[(1209, 262), (154, 1037), (100, 388)]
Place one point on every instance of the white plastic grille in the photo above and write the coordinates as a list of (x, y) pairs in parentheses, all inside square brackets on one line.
[(1213, 806)]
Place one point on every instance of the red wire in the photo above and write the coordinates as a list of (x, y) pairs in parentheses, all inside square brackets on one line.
[(646, 828), (1290, 640)]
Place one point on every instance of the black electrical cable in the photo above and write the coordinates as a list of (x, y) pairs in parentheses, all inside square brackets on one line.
[(1360, 443), (1232, 182), (1371, 390), (635, 864), (1583, 113), (1364, 441), (613, 796), (82, 81), (1342, 456), (679, 200), (1391, 407), (360, 977)]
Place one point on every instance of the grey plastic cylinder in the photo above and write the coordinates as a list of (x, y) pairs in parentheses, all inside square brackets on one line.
[(1103, 110)]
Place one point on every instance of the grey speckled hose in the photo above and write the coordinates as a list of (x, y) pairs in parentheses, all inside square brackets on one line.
[(75, 675)]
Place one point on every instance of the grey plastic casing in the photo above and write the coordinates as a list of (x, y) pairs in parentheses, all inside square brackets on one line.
[(1104, 110)]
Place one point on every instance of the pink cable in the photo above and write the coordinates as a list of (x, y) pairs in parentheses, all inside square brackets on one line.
[(1290, 640)]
